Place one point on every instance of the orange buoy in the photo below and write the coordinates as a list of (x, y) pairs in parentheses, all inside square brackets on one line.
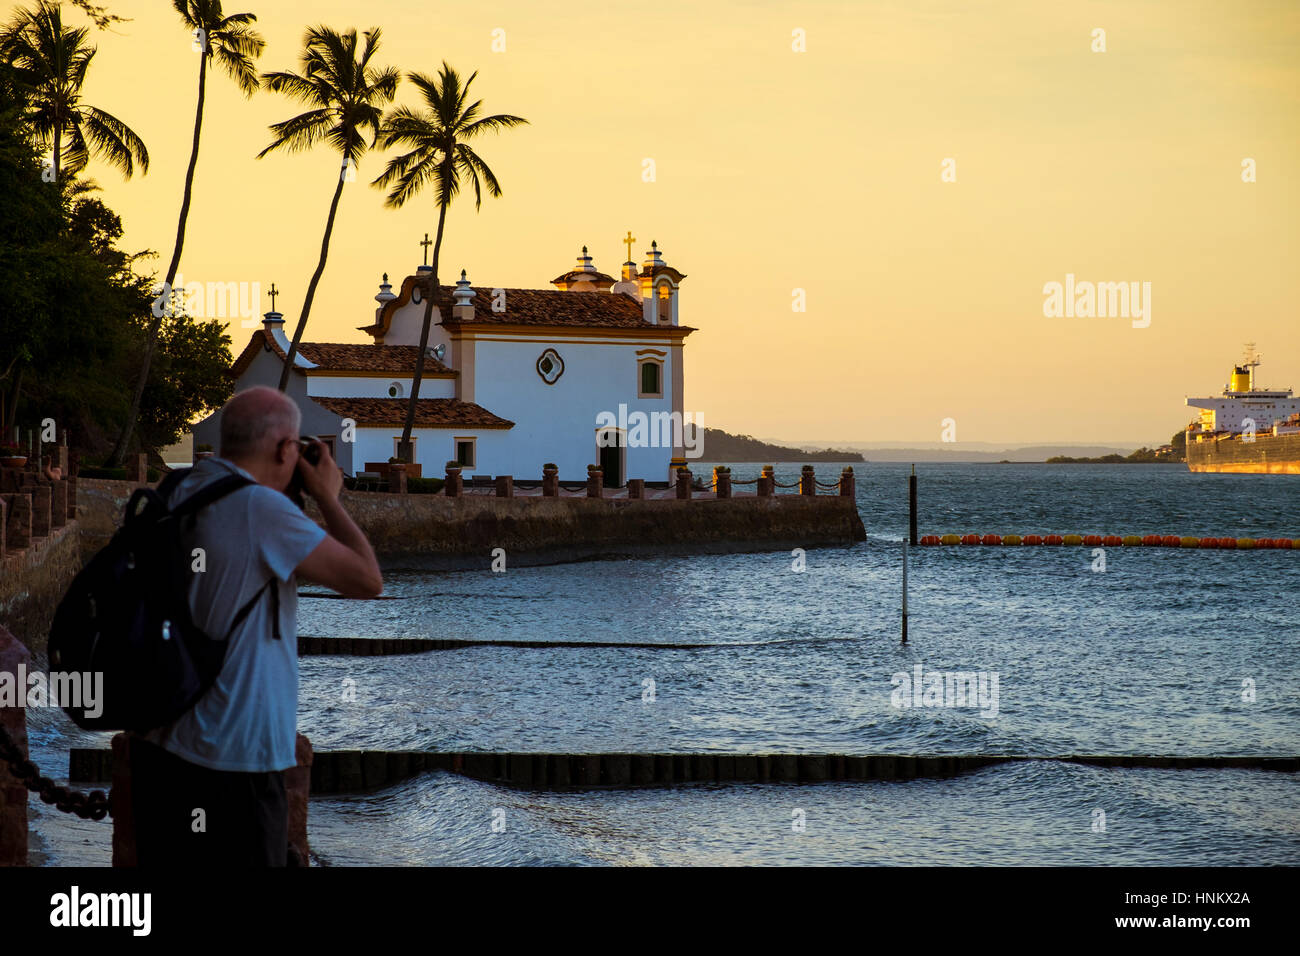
[(1227, 542), (1151, 541), (929, 539), (1112, 541), (1092, 540), (991, 539), (1032, 539), (1285, 544), (1011, 539), (1053, 539), (1209, 542), (970, 539), (1265, 543), (1170, 541)]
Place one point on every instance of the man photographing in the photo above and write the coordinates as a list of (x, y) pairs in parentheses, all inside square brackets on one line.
[(208, 789)]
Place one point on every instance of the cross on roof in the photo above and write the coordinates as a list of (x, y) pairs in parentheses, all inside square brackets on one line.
[(628, 242), (273, 293), (426, 245)]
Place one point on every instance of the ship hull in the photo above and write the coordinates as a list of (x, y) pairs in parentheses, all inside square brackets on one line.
[(1266, 455)]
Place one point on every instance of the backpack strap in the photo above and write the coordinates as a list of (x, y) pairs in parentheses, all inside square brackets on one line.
[(252, 602), (169, 483), (209, 494)]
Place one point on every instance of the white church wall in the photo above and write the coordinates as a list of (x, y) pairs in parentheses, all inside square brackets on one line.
[(348, 386), (404, 329), (434, 447), (557, 423), (265, 370)]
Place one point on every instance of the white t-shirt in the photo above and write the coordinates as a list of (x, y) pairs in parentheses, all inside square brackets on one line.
[(247, 721)]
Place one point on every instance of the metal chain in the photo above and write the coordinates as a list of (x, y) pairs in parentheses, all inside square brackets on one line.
[(88, 806)]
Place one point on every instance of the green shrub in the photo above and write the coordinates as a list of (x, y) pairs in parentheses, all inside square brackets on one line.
[(424, 486)]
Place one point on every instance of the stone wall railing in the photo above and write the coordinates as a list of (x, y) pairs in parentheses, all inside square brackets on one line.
[(683, 485)]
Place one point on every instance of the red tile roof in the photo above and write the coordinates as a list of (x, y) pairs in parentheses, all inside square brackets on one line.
[(345, 357), (429, 412), (551, 307), (535, 307)]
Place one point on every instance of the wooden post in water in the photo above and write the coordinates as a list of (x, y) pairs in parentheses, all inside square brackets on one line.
[(911, 507), (904, 592)]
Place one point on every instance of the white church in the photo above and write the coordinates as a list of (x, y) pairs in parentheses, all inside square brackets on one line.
[(514, 378)]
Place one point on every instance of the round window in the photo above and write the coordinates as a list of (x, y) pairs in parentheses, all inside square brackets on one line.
[(395, 390), (550, 366)]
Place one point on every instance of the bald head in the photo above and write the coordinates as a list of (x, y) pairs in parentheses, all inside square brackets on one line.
[(255, 421)]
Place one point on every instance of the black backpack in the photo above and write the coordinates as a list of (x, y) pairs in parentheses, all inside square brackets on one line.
[(127, 616)]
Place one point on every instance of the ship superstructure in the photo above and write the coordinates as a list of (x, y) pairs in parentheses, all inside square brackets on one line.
[(1246, 429)]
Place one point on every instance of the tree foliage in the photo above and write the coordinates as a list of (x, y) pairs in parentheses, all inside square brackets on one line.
[(74, 309)]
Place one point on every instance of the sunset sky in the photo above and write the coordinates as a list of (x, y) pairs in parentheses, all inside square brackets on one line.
[(820, 170)]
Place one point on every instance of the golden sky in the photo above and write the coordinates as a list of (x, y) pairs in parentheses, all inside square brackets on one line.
[(820, 170)]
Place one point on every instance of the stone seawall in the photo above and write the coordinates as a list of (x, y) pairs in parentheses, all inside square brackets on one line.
[(435, 532), (432, 531), (33, 582)]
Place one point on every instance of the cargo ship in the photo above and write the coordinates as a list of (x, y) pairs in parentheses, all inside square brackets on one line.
[(1247, 430)]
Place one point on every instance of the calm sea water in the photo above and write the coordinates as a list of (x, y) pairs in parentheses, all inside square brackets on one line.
[(1151, 655)]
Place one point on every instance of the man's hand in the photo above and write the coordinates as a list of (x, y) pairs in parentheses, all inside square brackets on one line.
[(343, 561), (324, 480)]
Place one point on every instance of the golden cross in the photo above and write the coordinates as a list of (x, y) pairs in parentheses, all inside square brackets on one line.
[(426, 245), (628, 242)]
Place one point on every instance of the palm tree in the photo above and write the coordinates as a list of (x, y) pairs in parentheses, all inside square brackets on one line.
[(347, 96), (51, 62), (439, 154), (234, 44)]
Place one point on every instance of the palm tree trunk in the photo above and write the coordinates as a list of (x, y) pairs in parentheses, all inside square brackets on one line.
[(311, 286), (58, 146), (405, 450), (151, 342)]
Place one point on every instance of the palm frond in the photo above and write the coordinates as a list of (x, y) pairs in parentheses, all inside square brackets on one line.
[(116, 142), (299, 132), (347, 92), (492, 124)]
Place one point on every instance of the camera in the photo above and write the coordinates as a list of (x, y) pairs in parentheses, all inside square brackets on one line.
[(309, 448)]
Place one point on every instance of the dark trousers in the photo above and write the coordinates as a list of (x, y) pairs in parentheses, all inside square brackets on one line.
[(187, 816)]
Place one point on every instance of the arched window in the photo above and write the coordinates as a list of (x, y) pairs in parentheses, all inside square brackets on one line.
[(650, 378)]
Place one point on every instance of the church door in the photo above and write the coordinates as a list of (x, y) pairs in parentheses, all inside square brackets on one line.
[(611, 462)]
